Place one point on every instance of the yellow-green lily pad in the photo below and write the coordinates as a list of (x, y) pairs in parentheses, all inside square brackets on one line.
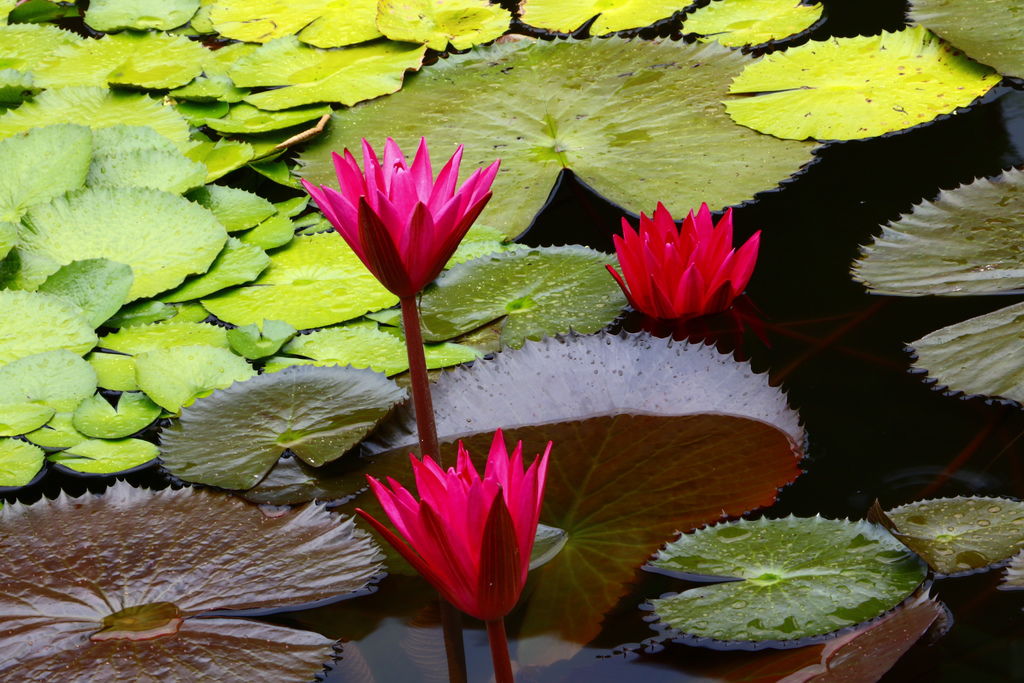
[(565, 16), (33, 322), (20, 463), (245, 118), (99, 287), (736, 23), (237, 264), (105, 457), (116, 15), (96, 417), (175, 377), (438, 23), (40, 164)]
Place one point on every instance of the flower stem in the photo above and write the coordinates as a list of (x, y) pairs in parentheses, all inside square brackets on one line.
[(451, 620), (499, 651)]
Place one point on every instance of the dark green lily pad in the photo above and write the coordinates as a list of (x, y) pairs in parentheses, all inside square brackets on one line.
[(20, 463), (987, 31), (245, 118), (259, 341), (958, 535), (104, 457), (235, 209), (41, 164), (797, 578), (99, 287), (33, 322), (237, 264), (610, 110), (115, 15), (175, 377), (967, 241), (539, 292), (96, 417), (234, 437), (161, 558)]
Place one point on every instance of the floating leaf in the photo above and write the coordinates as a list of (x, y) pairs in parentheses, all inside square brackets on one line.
[(177, 376), (20, 463), (151, 311), (965, 242), (957, 535), (103, 457), (259, 341), (988, 32), (95, 416), (278, 171), (21, 418), (41, 164), (792, 578), (610, 110), (539, 292), (236, 209), (33, 388), (220, 157), (272, 233), (234, 437), (861, 87), (565, 16), (25, 46), (313, 282), (736, 23), (202, 551), (114, 371), (308, 74), (99, 287), (58, 433), (177, 238), (165, 335), (481, 240), (237, 264), (115, 15), (436, 23), (323, 23), (33, 322), (210, 87), (138, 156), (245, 118), (364, 345), (343, 22)]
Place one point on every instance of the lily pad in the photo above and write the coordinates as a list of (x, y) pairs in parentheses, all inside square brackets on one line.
[(150, 311), (539, 292), (41, 164), (259, 341), (308, 74), (210, 87), (988, 32), (177, 238), (964, 242), (114, 371), (156, 560), (236, 209), (105, 457), (610, 110), (167, 170), (276, 231), (175, 377), (791, 578), (234, 437), (164, 335), (323, 23), (436, 23), (21, 418), (736, 23), (958, 535), (221, 157), (861, 87), (99, 287), (245, 118), (20, 463), (25, 46), (312, 282), (95, 416), (237, 264), (35, 387), (565, 16), (33, 322), (116, 15), (365, 345), (57, 434), (343, 22)]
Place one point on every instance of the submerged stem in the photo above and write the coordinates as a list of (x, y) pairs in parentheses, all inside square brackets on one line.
[(499, 651)]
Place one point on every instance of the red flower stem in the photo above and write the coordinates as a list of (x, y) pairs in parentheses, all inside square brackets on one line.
[(499, 651), (451, 620)]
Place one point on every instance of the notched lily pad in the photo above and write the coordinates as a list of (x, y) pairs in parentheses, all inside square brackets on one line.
[(175, 377), (236, 209), (99, 287), (565, 16), (102, 457), (20, 463), (259, 341), (96, 417), (988, 32), (736, 23), (35, 387), (34, 322), (438, 23), (40, 164), (237, 264), (159, 556), (957, 535), (115, 15), (783, 579)]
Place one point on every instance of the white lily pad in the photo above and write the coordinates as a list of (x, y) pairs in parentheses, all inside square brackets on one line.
[(986, 31), (736, 23), (96, 417), (237, 264), (105, 457), (116, 15), (99, 287), (177, 376), (20, 463), (312, 282), (565, 16), (33, 322), (40, 164), (438, 23)]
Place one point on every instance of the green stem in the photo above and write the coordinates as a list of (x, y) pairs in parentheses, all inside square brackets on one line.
[(451, 619), (499, 651)]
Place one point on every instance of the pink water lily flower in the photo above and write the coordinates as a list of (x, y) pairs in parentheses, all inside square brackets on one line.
[(401, 222), (469, 536), (674, 273)]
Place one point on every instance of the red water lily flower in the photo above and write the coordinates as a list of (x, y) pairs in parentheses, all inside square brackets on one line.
[(401, 222), (470, 537), (672, 273)]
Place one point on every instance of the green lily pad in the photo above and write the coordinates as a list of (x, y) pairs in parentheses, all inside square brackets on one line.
[(234, 437), (96, 108), (115, 15), (798, 577), (964, 242), (25, 46), (259, 341), (210, 88), (308, 74), (104, 457), (196, 113), (97, 286), (20, 463), (134, 412), (16, 87), (851, 88), (144, 59), (177, 376), (33, 322), (276, 231), (988, 32), (150, 311), (56, 380), (481, 240), (245, 118), (540, 292), (236, 209), (736, 23), (8, 239), (610, 110), (312, 282), (164, 335), (41, 164), (436, 23), (114, 371), (58, 433), (343, 22), (177, 238), (21, 418), (364, 345), (220, 157), (324, 23), (958, 535), (138, 156), (278, 171), (41, 10), (237, 264), (565, 16)]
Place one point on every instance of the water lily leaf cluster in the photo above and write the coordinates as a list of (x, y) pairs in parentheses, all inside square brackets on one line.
[(156, 560), (738, 23), (566, 16), (987, 32)]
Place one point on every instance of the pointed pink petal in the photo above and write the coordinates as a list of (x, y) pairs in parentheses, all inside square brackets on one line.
[(382, 257), (499, 583)]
